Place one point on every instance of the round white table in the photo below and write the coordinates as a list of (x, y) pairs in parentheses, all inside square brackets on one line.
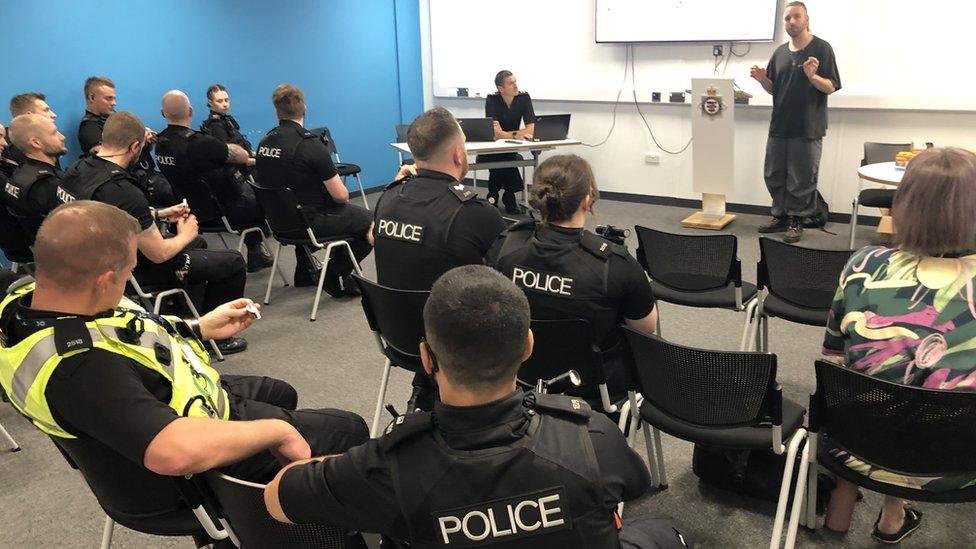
[(883, 172)]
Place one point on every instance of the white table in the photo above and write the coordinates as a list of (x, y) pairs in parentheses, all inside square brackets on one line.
[(502, 146), (884, 173)]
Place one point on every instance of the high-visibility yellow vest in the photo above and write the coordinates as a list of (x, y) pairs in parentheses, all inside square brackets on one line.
[(149, 340)]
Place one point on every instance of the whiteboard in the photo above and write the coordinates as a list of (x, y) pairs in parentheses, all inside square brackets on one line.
[(892, 54), (686, 20)]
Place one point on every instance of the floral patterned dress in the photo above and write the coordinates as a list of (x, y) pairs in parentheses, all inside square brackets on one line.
[(907, 319)]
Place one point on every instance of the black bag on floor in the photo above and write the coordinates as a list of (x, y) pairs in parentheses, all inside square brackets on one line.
[(652, 533), (820, 216), (755, 473)]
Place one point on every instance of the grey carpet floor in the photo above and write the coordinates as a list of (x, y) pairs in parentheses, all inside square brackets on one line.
[(333, 362)]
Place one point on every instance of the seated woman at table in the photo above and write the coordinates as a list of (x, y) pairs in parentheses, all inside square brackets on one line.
[(509, 108), (907, 315)]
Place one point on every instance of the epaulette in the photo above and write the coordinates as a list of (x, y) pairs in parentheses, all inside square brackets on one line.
[(399, 182), (596, 245), (71, 334), (462, 193), (215, 116), (405, 427), (562, 405)]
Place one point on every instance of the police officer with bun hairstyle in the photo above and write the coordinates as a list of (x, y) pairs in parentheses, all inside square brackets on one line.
[(490, 464), (293, 157), (220, 123), (568, 272), (198, 165), (428, 223)]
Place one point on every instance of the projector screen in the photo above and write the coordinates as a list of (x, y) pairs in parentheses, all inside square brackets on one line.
[(686, 20)]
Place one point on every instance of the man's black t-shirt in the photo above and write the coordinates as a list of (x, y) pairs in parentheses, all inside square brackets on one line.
[(307, 170), (185, 156), (799, 109), (470, 234), (90, 131), (356, 490), (510, 118)]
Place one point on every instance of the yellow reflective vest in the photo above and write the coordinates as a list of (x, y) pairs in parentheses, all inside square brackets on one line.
[(149, 340)]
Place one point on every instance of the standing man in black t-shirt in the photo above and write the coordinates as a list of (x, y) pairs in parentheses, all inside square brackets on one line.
[(293, 157), (800, 75), (170, 262), (509, 108), (201, 167)]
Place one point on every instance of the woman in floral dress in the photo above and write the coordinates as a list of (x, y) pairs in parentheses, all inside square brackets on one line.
[(908, 314)]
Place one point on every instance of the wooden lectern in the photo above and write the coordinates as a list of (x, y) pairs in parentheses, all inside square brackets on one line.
[(713, 151)]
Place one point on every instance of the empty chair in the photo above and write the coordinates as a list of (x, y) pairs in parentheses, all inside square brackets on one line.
[(875, 153), (913, 431), (286, 219), (694, 270), (800, 284), (725, 399), (396, 318), (241, 503), (344, 169)]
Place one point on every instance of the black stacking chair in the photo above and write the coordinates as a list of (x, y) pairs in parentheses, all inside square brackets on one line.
[(213, 219), (725, 399), (154, 504), (396, 318), (694, 270), (290, 228), (875, 198), (900, 428), (800, 284), (242, 504), (152, 299), (563, 345), (345, 169)]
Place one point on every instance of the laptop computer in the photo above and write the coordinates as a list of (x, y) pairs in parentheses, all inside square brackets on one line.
[(551, 127), (401, 131), (477, 129)]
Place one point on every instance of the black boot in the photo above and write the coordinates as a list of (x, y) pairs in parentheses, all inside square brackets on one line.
[(257, 258), (794, 231), (511, 204)]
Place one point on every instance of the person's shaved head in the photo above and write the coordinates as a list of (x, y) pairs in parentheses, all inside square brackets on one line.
[(176, 106), (80, 241), (36, 133)]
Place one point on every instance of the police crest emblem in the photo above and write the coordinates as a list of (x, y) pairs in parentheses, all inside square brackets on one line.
[(711, 102)]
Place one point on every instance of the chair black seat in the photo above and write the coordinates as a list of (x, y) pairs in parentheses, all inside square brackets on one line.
[(836, 466), (212, 226), (403, 360), (721, 298), (774, 306), (306, 240), (741, 438), (344, 169), (176, 523), (877, 198)]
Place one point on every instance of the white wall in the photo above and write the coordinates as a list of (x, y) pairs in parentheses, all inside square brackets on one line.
[(619, 164)]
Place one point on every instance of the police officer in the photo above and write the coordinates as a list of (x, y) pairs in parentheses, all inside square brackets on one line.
[(133, 393), (100, 101), (26, 103), (428, 223), (221, 124), (568, 272), (490, 463), (13, 240), (177, 261), (509, 108), (198, 165), (30, 191), (291, 156), (7, 165)]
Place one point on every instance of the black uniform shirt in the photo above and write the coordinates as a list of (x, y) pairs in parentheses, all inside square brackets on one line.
[(90, 131), (510, 118), (41, 198), (471, 234), (799, 109), (355, 490), (123, 194), (226, 129), (311, 167)]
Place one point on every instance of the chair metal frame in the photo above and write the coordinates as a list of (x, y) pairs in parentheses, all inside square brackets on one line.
[(157, 302), (856, 203), (334, 151)]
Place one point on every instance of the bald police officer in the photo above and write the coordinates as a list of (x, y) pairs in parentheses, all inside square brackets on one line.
[(293, 157), (490, 463)]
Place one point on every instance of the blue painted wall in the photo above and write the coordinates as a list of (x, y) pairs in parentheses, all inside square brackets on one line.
[(357, 61)]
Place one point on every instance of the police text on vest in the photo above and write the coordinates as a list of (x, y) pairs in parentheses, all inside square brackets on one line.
[(270, 152), (504, 520), (13, 190), (543, 282), (400, 231)]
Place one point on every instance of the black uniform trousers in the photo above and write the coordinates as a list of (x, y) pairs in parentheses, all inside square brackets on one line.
[(215, 276), (346, 220), (243, 213), (327, 431), (509, 179)]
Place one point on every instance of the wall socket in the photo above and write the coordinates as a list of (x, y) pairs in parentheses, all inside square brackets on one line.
[(651, 158), (718, 51)]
